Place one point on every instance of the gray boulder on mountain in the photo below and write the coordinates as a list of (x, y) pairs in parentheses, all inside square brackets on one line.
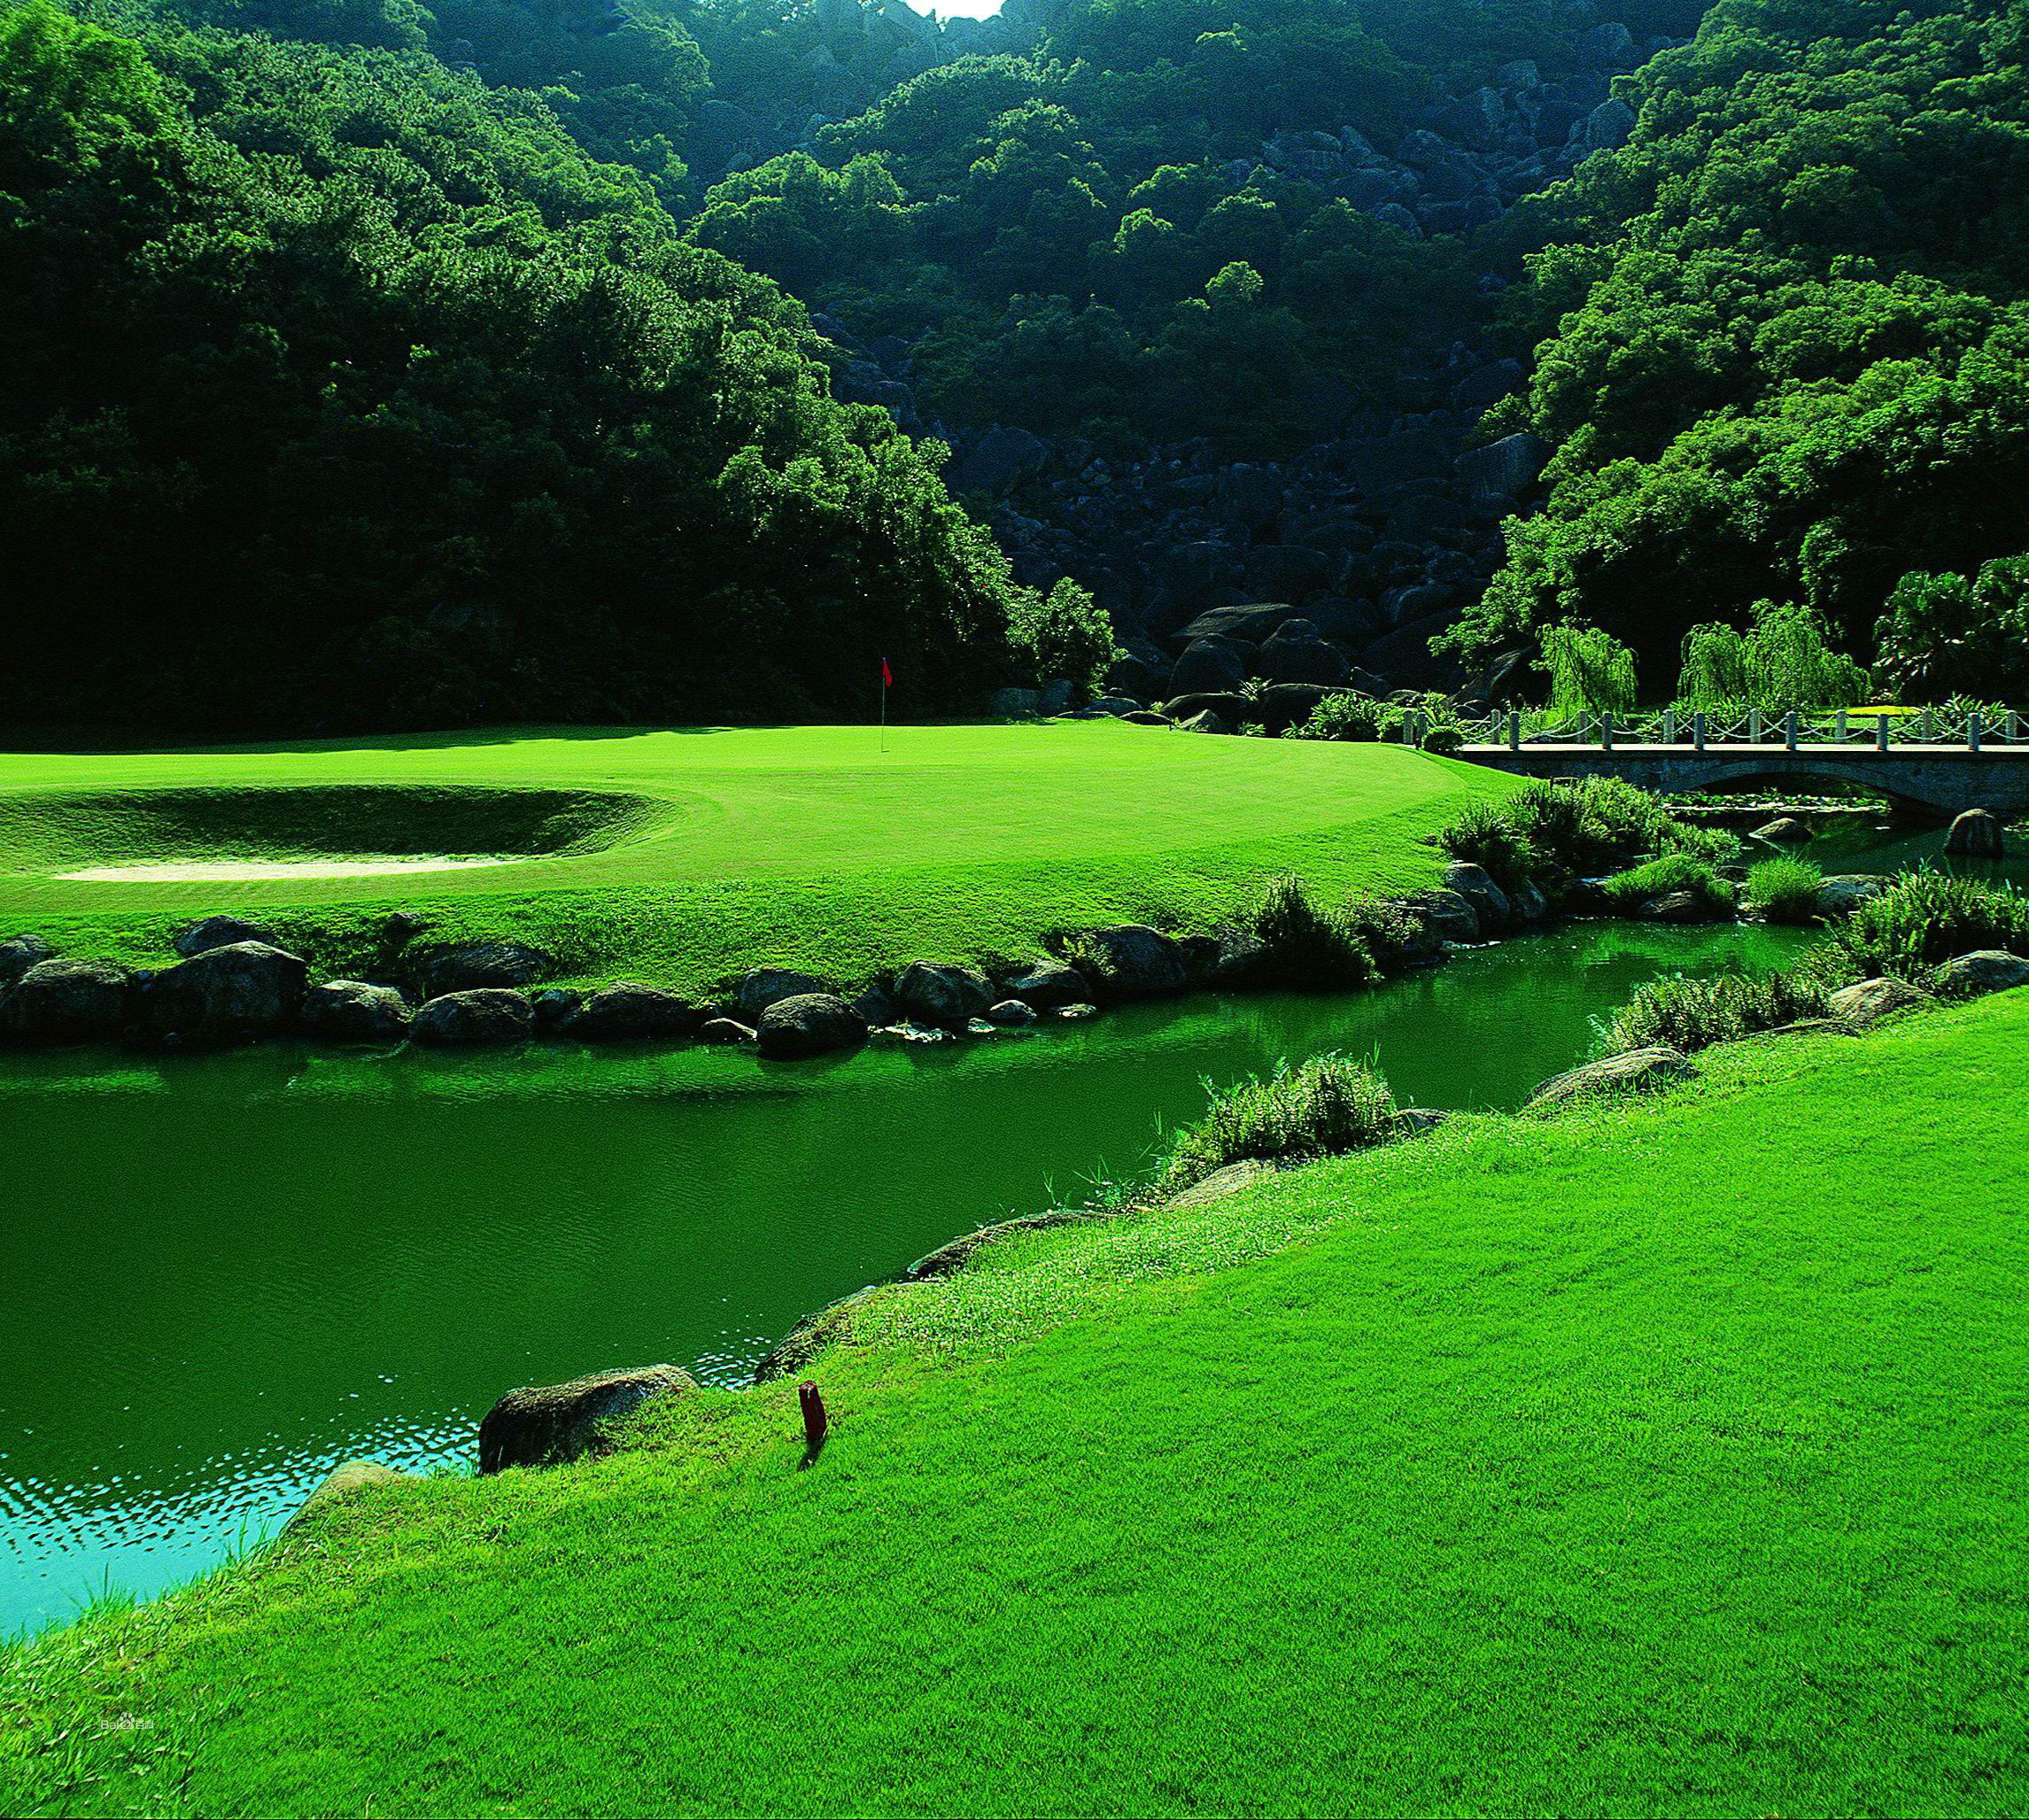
[(1000, 457), (65, 1000), (1208, 666), (1506, 468), (1288, 571), (810, 1023), (480, 1016), (246, 988), (1296, 654), (354, 1010)]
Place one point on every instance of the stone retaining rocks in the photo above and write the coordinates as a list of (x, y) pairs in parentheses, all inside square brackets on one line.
[(1976, 835), (342, 1481), (1639, 1071), (1677, 907), (766, 985), (486, 1014), (354, 1012), (1045, 984), (810, 1023), (65, 1000), (18, 953), (467, 966), (1447, 915), (1476, 885), (946, 996), (1010, 1014), (1866, 1004), (1988, 970), (222, 931), (725, 1030), (1132, 961), (1784, 831), (627, 1012), (1843, 893), (549, 1424), (243, 989)]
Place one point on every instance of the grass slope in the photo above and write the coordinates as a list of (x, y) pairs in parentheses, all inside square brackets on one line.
[(1660, 1457), (686, 856)]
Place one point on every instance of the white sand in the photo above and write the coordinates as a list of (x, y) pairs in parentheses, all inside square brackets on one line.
[(200, 872)]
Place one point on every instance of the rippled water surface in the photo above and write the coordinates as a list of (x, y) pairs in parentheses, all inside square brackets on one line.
[(228, 1273)]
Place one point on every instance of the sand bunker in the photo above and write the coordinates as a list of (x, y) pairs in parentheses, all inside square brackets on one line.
[(211, 872)]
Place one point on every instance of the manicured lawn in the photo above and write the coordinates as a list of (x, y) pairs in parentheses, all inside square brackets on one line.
[(1660, 1457), (689, 855)]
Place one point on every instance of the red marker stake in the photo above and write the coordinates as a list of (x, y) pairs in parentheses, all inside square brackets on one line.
[(817, 1424)]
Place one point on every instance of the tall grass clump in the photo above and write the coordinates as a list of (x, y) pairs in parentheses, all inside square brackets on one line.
[(1305, 943), (1323, 1107), (1595, 825), (1667, 873), (1926, 917), (1590, 670), (1485, 835), (1345, 714), (1688, 1015), (1783, 890)]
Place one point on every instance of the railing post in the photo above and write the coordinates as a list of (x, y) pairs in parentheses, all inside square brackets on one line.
[(1789, 731), (1697, 729), (1607, 730), (1839, 727), (2013, 727), (1754, 727), (1881, 732), (1923, 728), (1972, 729), (1515, 730), (1669, 726)]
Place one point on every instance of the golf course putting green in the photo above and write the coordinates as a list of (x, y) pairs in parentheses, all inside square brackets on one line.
[(683, 856)]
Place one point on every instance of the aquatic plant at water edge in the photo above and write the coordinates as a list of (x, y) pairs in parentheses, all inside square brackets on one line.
[(1327, 1105), (1585, 827), (1485, 835), (1668, 873), (1307, 944), (1784, 889), (1927, 917), (1688, 1015)]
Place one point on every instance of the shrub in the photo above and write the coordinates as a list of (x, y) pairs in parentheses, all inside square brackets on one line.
[(1485, 835), (1343, 715), (1943, 634), (1589, 670), (1784, 662), (1784, 889), (1693, 1014), (1666, 873), (1927, 917), (1306, 945), (1442, 740), (1327, 1105), (1064, 633)]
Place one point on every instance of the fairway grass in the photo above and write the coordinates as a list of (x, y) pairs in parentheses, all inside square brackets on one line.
[(1659, 1457), (684, 858)]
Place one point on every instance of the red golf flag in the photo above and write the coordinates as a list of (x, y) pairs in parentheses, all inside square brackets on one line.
[(886, 675)]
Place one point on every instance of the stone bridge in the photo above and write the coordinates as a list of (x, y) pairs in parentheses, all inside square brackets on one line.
[(1938, 780)]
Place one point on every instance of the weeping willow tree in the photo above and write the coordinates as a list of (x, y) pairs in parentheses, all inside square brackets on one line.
[(1783, 661), (1590, 671)]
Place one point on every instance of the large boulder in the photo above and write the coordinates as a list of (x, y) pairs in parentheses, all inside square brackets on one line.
[(1784, 831), (548, 1424), (222, 931), (65, 1000), (1208, 666), (486, 1014), (1000, 457), (1976, 835), (1205, 721), (1288, 571), (246, 988), (1296, 654), (627, 1012), (1132, 961), (1989, 969), (1045, 984), (1843, 892), (950, 997), (1866, 1004), (810, 1023), (1445, 914), (18, 953), (1678, 907), (1014, 704), (466, 966), (1282, 705), (1639, 1071), (342, 1481), (766, 985), (352, 1010), (1249, 621), (1476, 885), (1230, 708)]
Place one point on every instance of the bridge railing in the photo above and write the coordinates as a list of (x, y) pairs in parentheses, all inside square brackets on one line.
[(1971, 729)]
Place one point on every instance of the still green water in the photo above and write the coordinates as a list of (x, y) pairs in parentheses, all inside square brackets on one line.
[(228, 1273)]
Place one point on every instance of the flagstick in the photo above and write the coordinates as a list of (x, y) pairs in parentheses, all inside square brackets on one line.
[(884, 705)]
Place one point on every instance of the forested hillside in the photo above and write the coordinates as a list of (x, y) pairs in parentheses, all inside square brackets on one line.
[(411, 363)]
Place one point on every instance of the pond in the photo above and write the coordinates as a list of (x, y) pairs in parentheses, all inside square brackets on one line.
[(230, 1272)]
